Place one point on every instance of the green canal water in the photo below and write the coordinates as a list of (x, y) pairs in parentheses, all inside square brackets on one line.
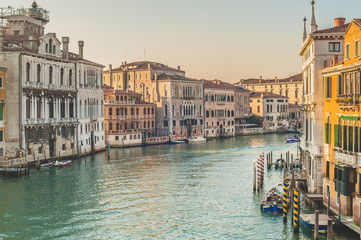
[(187, 191)]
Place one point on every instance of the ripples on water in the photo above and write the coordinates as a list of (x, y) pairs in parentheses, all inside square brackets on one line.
[(188, 191)]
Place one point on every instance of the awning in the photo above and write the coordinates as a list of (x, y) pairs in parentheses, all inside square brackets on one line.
[(353, 118), (341, 165)]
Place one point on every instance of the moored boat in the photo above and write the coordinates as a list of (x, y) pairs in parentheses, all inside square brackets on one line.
[(177, 141), (272, 202), (196, 139), (308, 220), (292, 139), (62, 163), (47, 165)]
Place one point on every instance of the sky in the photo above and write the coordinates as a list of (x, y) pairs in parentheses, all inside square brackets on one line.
[(209, 39)]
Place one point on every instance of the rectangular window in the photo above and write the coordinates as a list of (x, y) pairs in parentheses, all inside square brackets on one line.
[(347, 51), (1, 136), (357, 48), (328, 87), (1, 82), (334, 46), (327, 169), (1, 111), (339, 85)]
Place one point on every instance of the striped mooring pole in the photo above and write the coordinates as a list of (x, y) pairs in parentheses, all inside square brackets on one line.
[(20, 155), (296, 210), (285, 186)]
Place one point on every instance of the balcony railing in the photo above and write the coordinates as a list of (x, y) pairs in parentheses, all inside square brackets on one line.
[(119, 102), (348, 101), (221, 102), (350, 158)]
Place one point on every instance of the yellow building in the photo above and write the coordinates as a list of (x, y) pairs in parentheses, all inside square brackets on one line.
[(290, 87), (2, 112), (342, 127)]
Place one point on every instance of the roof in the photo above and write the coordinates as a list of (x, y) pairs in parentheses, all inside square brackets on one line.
[(294, 106), (75, 57), (176, 77), (218, 84), (144, 65), (294, 78), (266, 95), (109, 89), (339, 29)]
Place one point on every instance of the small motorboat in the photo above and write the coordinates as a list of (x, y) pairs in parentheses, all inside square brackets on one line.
[(292, 139), (196, 139), (177, 141), (272, 202), (309, 221), (47, 165), (62, 163)]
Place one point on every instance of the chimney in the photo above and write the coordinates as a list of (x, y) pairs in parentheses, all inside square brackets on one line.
[(81, 49), (339, 21), (178, 68), (260, 79), (65, 41), (335, 60), (110, 75), (276, 79), (1, 40), (148, 65)]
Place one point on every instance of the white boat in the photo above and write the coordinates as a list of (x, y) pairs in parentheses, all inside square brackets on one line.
[(196, 139), (177, 142), (61, 163)]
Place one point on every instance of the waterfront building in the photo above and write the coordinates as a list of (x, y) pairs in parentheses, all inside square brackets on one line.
[(342, 127), (41, 87), (2, 111), (179, 100), (317, 51), (273, 108), (129, 121), (90, 102), (290, 87), (295, 117)]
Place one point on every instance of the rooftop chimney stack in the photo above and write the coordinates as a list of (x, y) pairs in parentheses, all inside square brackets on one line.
[(110, 75), (81, 49), (339, 21), (1, 40), (179, 68), (260, 79), (335, 60), (65, 41)]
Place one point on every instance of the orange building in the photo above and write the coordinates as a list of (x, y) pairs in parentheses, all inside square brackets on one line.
[(2, 112), (129, 121), (342, 127)]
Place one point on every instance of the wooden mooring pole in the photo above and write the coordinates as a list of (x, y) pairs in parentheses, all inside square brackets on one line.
[(339, 211), (296, 210), (328, 203), (329, 229), (254, 178), (317, 217)]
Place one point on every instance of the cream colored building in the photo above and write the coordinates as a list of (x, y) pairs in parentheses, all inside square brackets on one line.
[(290, 87), (179, 100)]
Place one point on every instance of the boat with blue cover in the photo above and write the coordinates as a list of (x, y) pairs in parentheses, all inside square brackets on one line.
[(272, 202)]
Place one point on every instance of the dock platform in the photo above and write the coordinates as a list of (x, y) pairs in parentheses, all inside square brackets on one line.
[(313, 198)]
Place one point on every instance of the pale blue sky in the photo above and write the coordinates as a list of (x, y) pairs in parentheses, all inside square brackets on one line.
[(227, 40)]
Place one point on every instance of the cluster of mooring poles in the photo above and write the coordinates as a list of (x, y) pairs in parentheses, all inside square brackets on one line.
[(258, 173)]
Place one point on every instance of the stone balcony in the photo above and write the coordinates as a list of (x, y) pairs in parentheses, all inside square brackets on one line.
[(119, 102), (314, 149), (39, 121), (347, 157)]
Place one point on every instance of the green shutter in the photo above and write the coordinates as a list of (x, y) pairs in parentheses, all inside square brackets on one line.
[(335, 173), (325, 132), (352, 118), (1, 111), (336, 136)]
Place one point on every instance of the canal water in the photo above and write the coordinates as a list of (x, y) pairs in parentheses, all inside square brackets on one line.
[(186, 191)]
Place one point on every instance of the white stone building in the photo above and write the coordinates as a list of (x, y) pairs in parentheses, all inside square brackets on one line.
[(318, 50)]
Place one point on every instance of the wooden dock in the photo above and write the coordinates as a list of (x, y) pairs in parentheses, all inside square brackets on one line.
[(313, 198)]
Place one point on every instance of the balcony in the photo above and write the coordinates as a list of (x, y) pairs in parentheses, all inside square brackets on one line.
[(316, 150), (348, 101), (119, 102), (221, 102), (349, 158)]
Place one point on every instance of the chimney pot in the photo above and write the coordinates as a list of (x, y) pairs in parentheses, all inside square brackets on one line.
[(110, 67), (179, 68), (339, 21), (81, 49), (335, 60), (65, 41)]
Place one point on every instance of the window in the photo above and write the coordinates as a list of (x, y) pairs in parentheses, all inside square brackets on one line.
[(50, 45), (50, 75), (327, 169), (38, 73), (339, 85), (62, 76), (328, 131), (328, 87), (357, 48), (1, 111), (334, 46), (70, 77), (347, 51), (27, 72)]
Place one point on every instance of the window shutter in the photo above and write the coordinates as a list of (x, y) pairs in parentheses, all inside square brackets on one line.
[(327, 169), (355, 177), (1, 111), (325, 132), (335, 173), (336, 136)]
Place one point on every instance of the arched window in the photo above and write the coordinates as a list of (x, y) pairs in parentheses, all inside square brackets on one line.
[(38, 73), (207, 113), (62, 76), (110, 112), (118, 111), (137, 111), (212, 113), (132, 111), (152, 110), (50, 45), (232, 98), (144, 111), (165, 91), (50, 75), (125, 111), (232, 113), (212, 98), (229, 113), (165, 110), (27, 72), (145, 124), (110, 126), (80, 109), (148, 124), (70, 77), (148, 111), (228, 98), (328, 131), (206, 97)]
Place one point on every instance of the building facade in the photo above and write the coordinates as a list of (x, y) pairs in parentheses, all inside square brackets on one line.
[(290, 87), (342, 127), (42, 88), (179, 100), (273, 108), (317, 51), (295, 118), (129, 121)]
